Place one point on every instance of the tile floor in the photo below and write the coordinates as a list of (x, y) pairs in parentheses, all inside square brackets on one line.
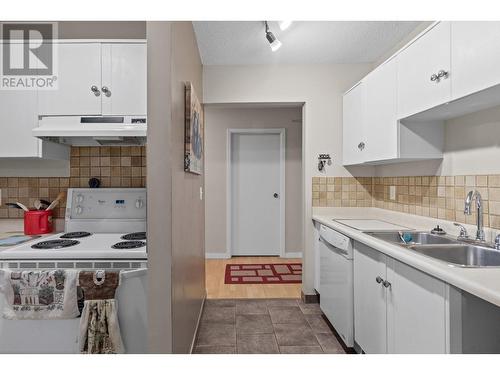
[(264, 326)]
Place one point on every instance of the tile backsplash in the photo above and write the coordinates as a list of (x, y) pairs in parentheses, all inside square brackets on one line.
[(439, 197), (113, 166)]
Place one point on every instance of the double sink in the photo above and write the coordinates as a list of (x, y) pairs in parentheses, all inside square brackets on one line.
[(454, 252)]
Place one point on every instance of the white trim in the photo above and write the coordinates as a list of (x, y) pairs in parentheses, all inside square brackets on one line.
[(282, 133), (217, 255), (198, 321)]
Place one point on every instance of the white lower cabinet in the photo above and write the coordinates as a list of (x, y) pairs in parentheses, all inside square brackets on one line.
[(397, 309)]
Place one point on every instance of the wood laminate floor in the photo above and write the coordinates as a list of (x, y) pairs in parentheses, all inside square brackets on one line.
[(216, 289)]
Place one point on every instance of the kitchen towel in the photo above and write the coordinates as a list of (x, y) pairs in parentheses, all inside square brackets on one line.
[(99, 327), (43, 294)]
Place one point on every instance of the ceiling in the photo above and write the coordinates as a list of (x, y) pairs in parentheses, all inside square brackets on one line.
[(244, 42)]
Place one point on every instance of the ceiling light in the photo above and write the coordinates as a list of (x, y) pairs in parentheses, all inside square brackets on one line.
[(285, 25), (271, 38)]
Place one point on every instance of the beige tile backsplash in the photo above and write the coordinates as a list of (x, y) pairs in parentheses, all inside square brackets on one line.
[(114, 166), (439, 197)]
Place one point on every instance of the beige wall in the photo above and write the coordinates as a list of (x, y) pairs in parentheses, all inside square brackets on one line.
[(102, 30), (217, 121), (320, 87), (159, 184), (175, 211), (188, 218)]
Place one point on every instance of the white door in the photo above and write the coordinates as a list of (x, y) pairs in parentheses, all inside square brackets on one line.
[(475, 56), (416, 64), (381, 127), (124, 79), (370, 311), (416, 311), (353, 135), (78, 82), (255, 194)]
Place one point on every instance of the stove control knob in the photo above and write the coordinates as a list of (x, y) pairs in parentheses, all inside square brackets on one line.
[(79, 210), (139, 203), (79, 198)]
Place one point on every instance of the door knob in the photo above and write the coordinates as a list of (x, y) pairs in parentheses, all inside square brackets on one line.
[(106, 91), (386, 284), (434, 78), (95, 90), (378, 279), (275, 195)]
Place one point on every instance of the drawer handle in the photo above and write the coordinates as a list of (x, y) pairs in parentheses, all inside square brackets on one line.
[(361, 146), (434, 77), (442, 74), (386, 284), (95, 90), (378, 279)]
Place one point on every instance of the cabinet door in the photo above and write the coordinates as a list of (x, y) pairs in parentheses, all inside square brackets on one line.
[(381, 127), (416, 311), (78, 69), (124, 79), (475, 56), (370, 325), (18, 117), (416, 64), (353, 126)]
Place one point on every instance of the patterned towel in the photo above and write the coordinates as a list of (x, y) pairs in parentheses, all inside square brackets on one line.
[(39, 294)]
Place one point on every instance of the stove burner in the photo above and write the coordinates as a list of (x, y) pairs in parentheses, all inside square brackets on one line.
[(54, 244), (134, 236), (128, 245), (76, 235)]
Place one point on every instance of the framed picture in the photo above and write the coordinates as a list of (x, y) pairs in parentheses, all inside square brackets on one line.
[(194, 133)]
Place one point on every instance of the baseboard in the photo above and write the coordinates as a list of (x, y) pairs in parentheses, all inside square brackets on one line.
[(293, 254), (217, 256), (195, 336), (309, 298)]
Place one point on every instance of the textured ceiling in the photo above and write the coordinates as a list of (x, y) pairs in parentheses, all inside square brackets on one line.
[(244, 42)]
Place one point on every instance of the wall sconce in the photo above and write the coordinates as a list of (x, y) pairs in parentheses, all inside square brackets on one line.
[(324, 159)]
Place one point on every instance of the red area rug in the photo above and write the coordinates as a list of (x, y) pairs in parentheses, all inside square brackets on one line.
[(278, 273)]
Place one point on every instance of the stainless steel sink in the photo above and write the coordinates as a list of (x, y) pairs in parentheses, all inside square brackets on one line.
[(417, 238), (462, 255)]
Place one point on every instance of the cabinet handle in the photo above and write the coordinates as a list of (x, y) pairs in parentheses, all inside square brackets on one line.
[(95, 90), (386, 284), (378, 279), (434, 78), (106, 91), (442, 74), (361, 146)]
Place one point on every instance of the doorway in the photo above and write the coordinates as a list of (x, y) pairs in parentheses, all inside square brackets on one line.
[(256, 192)]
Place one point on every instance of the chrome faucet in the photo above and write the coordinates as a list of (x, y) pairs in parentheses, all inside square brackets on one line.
[(479, 205)]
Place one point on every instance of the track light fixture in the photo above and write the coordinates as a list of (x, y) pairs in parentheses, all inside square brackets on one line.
[(271, 38)]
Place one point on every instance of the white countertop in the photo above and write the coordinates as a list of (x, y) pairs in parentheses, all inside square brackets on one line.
[(481, 282)]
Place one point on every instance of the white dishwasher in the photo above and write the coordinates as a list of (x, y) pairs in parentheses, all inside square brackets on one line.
[(336, 282)]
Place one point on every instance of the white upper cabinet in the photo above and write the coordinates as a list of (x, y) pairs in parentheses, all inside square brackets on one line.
[(98, 79), (381, 126), (353, 137), (124, 79), (475, 56), (78, 82), (424, 72)]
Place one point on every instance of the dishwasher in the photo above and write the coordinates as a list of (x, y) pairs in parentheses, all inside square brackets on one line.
[(336, 282)]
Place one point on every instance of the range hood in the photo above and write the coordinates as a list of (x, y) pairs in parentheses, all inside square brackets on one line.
[(93, 130)]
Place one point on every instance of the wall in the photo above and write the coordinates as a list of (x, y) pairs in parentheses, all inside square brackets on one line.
[(217, 121), (320, 87), (188, 210), (175, 211), (101, 29)]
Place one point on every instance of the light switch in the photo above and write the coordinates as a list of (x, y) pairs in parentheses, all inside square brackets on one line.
[(392, 193)]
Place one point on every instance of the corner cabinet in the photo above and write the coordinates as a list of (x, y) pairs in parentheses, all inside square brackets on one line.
[(397, 309), (97, 78)]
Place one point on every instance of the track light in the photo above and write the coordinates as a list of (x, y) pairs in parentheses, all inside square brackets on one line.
[(284, 25), (271, 38)]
